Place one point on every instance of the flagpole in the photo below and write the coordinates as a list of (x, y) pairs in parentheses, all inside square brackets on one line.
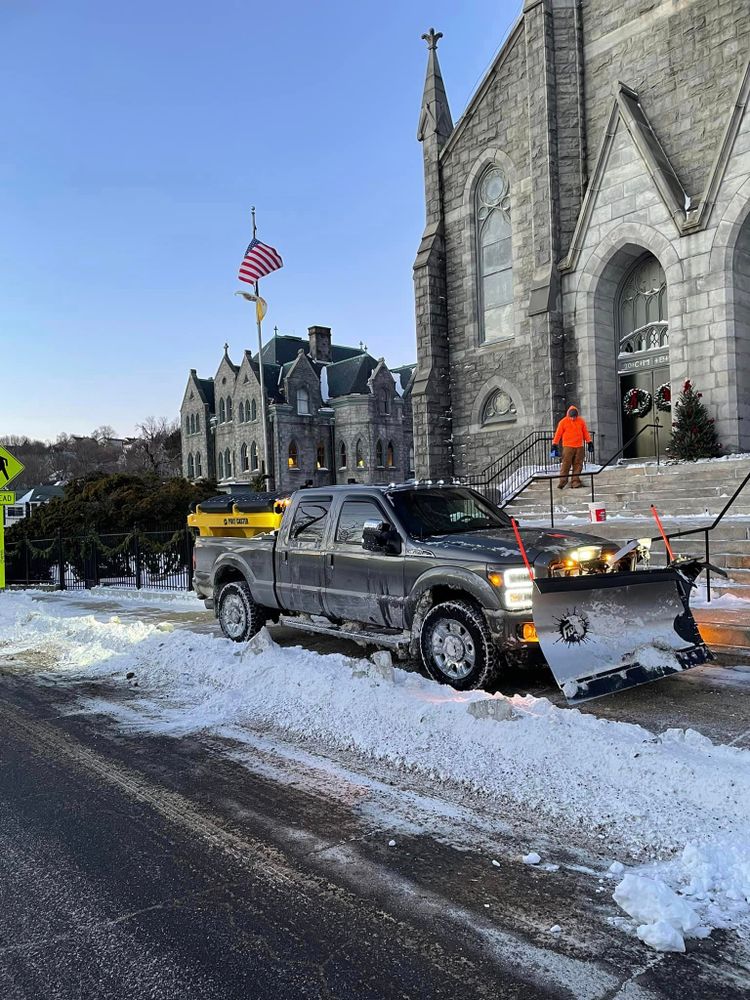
[(268, 475)]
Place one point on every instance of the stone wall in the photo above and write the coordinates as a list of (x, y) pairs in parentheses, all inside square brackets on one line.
[(683, 57)]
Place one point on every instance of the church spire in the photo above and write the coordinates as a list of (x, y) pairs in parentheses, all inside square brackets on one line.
[(435, 118)]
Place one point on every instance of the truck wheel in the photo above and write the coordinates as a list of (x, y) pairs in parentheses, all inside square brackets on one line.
[(456, 645), (239, 616)]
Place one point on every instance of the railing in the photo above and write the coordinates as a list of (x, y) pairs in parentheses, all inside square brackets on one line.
[(706, 530), (552, 476), (140, 559), (508, 475)]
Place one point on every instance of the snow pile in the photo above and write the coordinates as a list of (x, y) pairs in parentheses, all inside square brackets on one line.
[(676, 801)]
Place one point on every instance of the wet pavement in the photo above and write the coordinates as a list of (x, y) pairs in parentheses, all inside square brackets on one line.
[(141, 866)]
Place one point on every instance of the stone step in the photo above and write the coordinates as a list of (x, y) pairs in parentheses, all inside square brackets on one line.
[(725, 631)]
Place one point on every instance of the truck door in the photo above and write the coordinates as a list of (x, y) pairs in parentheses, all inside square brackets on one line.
[(299, 557), (362, 586)]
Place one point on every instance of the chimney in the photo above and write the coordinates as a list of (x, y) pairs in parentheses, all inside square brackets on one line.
[(320, 342)]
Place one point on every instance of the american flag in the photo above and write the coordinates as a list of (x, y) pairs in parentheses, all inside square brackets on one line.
[(259, 260)]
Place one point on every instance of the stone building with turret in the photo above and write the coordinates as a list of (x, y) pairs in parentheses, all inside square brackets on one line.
[(587, 230), (335, 414)]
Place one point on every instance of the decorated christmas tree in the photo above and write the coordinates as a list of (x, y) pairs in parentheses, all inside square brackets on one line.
[(693, 431)]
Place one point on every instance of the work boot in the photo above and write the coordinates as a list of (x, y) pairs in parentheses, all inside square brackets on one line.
[(576, 486), (561, 486)]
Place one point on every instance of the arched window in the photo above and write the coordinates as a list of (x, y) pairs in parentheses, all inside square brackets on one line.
[(241, 412), (303, 401), (499, 408), (253, 410), (191, 467), (227, 463), (384, 401), (379, 454), (342, 455), (221, 465), (359, 455), (254, 456), (292, 460), (222, 411), (244, 463), (229, 407), (494, 255), (198, 466), (390, 456), (320, 457), (411, 460), (197, 422)]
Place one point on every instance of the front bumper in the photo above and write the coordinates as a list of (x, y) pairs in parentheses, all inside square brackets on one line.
[(511, 629)]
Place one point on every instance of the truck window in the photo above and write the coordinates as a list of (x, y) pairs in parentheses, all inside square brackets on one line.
[(309, 524), (352, 519), (445, 511)]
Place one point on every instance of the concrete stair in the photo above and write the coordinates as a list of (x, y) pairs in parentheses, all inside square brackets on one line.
[(686, 496)]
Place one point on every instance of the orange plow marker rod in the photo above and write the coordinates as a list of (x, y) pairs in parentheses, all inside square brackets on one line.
[(517, 533), (662, 532)]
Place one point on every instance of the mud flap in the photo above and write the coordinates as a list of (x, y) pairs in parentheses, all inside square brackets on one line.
[(602, 634)]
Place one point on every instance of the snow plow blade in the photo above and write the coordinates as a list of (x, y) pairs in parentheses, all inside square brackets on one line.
[(605, 633)]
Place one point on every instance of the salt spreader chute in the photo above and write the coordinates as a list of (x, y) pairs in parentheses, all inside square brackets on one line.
[(604, 633)]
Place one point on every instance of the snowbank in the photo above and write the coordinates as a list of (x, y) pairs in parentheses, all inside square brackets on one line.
[(675, 801)]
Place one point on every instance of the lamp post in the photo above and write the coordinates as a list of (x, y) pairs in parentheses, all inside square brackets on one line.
[(259, 312)]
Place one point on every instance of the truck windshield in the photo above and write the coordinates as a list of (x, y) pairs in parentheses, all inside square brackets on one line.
[(445, 512)]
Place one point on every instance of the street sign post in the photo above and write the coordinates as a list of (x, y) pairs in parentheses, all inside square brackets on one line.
[(10, 467)]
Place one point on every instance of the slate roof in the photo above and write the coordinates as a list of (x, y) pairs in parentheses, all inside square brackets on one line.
[(282, 349), (350, 375), (271, 379), (206, 390), (41, 494)]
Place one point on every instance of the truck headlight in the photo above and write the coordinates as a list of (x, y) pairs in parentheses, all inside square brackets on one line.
[(515, 587)]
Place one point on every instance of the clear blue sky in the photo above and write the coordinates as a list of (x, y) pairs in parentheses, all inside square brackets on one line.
[(135, 139)]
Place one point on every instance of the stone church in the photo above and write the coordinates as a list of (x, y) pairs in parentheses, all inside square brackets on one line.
[(587, 231), (335, 414)]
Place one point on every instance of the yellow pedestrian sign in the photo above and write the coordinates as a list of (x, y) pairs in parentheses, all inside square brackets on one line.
[(10, 467)]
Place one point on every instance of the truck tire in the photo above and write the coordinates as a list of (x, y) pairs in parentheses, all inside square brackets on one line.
[(239, 616), (456, 645)]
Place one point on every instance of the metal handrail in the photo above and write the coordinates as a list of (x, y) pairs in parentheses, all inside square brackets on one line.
[(512, 463), (551, 478), (486, 475), (706, 530)]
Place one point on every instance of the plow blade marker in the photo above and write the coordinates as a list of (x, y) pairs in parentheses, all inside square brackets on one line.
[(601, 634)]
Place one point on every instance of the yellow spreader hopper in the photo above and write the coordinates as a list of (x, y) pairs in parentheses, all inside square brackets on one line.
[(238, 516)]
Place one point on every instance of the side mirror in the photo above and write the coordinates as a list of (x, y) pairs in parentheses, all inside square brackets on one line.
[(379, 536)]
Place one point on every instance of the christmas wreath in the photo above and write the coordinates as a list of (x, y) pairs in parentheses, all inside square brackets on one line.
[(636, 402), (663, 397)]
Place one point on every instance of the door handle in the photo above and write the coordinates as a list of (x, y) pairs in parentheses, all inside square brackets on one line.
[(330, 559), (286, 556)]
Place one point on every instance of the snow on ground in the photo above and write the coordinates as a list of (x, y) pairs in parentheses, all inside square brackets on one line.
[(675, 801)]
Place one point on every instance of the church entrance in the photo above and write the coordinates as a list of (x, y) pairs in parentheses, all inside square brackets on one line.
[(643, 356)]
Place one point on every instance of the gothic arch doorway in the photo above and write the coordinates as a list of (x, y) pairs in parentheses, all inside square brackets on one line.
[(642, 325)]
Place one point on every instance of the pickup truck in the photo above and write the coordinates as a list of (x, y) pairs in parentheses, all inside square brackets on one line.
[(428, 570)]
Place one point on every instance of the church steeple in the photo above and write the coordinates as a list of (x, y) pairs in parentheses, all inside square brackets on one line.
[(435, 117)]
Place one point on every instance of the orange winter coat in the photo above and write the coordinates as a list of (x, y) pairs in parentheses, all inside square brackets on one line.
[(572, 432)]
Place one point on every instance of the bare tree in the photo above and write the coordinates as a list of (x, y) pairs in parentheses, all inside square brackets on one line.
[(156, 448)]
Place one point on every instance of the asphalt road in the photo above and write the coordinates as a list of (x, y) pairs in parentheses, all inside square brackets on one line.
[(134, 866)]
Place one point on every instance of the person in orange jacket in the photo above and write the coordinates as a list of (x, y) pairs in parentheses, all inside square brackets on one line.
[(572, 433)]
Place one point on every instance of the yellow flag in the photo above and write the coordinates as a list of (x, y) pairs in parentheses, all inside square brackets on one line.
[(261, 308)]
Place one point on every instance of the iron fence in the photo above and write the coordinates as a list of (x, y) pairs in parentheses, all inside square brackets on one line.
[(146, 560)]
